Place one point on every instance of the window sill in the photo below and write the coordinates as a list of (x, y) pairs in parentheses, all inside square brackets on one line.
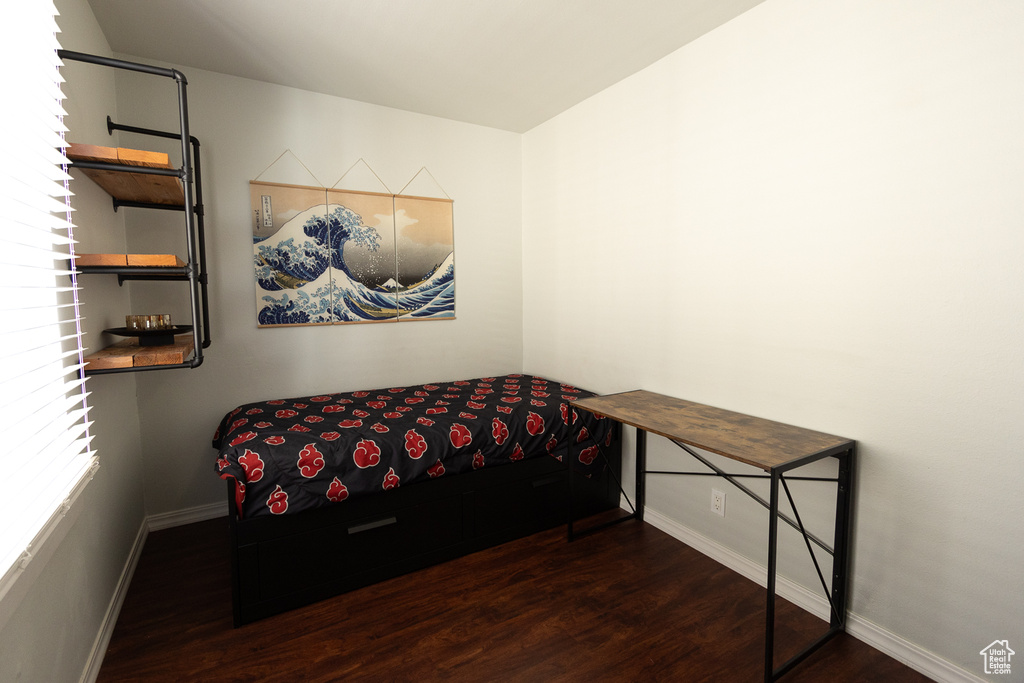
[(18, 578)]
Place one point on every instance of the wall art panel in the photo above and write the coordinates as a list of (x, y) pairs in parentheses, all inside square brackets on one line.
[(425, 251), (291, 255), (324, 257)]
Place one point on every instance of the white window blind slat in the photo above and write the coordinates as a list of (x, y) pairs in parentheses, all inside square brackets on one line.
[(32, 167), (19, 214), (15, 275), (46, 459), (38, 239), (30, 185), (35, 423), (27, 341), (33, 357), (35, 197), (36, 317), (49, 387), (55, 451)]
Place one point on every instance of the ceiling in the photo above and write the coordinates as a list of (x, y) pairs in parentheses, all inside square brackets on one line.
[(507, 64)]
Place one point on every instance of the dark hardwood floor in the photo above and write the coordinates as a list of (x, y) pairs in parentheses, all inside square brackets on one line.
[(626, 604)]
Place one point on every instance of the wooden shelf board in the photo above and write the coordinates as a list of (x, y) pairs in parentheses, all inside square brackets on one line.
[(128, 354), (156, 260), (131, 187)]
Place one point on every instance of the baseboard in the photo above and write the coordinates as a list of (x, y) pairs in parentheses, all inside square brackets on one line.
[(201, 513), (99, 646), (860, 628), (151, 523), (916, 658)]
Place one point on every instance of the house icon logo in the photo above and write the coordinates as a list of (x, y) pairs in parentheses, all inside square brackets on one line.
[(997, 657)]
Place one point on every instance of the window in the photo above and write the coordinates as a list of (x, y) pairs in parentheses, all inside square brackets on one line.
[(45, 459)]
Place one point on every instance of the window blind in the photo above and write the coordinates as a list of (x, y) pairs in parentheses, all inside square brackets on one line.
[(45, 458)]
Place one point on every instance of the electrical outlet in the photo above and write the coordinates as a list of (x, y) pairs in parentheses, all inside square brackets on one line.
[(718, 502)]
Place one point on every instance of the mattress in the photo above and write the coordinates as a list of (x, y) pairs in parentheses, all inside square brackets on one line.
[(295, 454)]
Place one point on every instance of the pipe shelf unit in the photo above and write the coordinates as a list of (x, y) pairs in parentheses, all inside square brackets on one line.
[(139, 179)]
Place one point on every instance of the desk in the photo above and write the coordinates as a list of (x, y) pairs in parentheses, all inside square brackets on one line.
[(772, 447)]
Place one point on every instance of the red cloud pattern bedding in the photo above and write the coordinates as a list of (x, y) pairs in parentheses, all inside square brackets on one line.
[(289, 455)]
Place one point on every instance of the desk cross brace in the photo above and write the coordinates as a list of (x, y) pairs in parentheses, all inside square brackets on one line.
[(836, 597), (731, 478), (837, 619)]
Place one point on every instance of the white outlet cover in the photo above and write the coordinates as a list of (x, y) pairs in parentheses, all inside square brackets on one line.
[(718, 502)]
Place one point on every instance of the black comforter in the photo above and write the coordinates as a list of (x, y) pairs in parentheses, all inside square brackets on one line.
[(288, 455)]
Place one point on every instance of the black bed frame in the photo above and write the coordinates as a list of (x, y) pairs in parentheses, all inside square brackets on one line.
[(280, 563)]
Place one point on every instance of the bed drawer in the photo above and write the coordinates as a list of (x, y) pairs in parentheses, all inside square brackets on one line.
[(529, 504), (358, 546)]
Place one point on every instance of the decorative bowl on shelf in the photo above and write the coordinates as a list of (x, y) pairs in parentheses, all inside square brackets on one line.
[(158, 337)]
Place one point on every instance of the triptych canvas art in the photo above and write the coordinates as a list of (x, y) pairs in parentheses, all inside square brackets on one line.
[(325, 257)]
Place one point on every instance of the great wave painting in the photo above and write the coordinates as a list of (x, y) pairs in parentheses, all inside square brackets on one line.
[(325, 257)]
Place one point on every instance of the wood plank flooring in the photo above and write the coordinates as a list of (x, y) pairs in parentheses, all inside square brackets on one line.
[(629, 603)]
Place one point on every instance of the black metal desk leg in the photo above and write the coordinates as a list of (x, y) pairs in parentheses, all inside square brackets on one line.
[(641, 472), (568, 471), (773, 532), (841, 555)]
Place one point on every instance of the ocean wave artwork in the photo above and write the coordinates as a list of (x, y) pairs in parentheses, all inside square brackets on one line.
[(333, 257)]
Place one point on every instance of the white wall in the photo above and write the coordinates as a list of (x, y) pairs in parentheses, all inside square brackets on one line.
[(50, 620), (813, 214), (243, 126)]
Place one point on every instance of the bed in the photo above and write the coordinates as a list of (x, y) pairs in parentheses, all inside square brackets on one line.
[(333, 492)]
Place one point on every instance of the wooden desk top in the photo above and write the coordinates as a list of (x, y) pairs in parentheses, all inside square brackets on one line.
[(752, 440)]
